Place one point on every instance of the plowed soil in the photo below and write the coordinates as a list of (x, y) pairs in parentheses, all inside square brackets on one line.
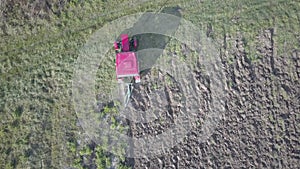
[(261, 124)]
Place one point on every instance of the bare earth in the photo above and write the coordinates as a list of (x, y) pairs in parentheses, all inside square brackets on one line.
[(260, 127)]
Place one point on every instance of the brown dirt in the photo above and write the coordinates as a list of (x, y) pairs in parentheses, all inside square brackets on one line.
[(158, 89), (261, 124)]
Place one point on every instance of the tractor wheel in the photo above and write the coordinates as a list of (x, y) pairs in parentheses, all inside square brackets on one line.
[(116, 46)]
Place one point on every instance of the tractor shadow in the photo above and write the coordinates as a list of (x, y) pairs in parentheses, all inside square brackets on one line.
[(150, 45)]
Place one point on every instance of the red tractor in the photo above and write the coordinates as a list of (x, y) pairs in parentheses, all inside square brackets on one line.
[(127, 66), (126, 60)]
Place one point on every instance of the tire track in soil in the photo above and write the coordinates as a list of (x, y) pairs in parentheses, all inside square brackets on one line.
[(260, 128)]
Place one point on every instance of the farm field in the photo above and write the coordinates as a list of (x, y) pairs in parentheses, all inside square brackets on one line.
[(257, 45)]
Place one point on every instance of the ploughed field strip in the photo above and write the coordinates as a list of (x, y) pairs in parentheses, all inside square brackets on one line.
[(260, 126)]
